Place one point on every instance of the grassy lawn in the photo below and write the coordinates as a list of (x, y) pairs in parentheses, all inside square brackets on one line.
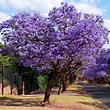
[(105, 85), (73, 99)]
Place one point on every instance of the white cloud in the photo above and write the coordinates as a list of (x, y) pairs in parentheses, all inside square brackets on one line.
[(3, 16), (93, 1), (42, 6), (88, 6), (90, 1), (107, 25), (106, 46)]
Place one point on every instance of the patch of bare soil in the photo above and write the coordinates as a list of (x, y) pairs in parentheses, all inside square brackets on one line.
[(7, 90)]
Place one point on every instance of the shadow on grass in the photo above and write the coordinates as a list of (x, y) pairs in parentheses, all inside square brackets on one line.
[(90, 104), (26, 102), (78, 91)]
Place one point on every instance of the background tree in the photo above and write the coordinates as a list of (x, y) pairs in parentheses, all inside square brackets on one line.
[(4, 63), (100, 73)]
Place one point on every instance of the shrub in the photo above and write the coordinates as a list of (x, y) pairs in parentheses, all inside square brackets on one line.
[(42, 81)]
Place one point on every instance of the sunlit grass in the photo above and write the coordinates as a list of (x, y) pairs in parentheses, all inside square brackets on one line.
[(105, 85), (75, 88), (76, 101), (76, 97)]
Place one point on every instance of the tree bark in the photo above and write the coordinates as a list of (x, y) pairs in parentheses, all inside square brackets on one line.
[(10, 84), (64, 85), (49, 86), (2, 80), (60, 86)]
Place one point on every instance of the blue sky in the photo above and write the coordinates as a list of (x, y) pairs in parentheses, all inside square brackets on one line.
[(105, 4), (11, 7)]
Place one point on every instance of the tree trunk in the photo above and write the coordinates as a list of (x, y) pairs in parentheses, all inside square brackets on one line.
[(2, 80), (60, 86), (19, 85), (23, 86), (49, 86), (10, 84), (64, 85)]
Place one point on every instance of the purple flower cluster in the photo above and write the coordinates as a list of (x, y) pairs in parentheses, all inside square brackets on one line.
[(65, 35), (102, 66)]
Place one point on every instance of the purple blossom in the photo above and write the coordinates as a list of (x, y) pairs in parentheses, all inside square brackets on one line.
[(64, 35)]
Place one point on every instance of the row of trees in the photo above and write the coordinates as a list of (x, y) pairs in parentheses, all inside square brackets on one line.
[(18, 76), (100, 73), (63, 43)]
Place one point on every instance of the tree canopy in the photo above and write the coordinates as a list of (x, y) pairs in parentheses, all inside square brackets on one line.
[(62, 40), (65, 34)]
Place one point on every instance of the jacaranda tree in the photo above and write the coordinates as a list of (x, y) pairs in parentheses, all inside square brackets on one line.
[(61, 41), (101, 69)]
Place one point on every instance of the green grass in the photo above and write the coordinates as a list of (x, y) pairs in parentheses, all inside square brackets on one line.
[(105, 85), (67, 100)]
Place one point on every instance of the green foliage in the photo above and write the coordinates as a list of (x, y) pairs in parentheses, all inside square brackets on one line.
[(56, 83), (1, 45), (42, 81), (4, 60), (0, 78), (5, 81), (78, 73)]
